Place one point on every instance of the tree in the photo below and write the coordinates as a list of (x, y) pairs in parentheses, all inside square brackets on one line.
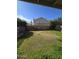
[(56, 24), (21, 22), (21, 27)]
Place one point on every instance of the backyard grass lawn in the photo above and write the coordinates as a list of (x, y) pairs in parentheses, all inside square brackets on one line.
[(41, 45)]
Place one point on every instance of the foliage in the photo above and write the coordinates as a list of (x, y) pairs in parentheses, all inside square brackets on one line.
[(56, 24), (21, 22), (21, 27)]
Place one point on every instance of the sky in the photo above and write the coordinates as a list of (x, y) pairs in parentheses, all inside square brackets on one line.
[(28, 11)]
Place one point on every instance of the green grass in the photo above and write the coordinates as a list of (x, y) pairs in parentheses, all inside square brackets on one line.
[(41, 45)]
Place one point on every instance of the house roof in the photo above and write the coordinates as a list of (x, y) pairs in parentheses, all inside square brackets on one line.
[(41, 19)]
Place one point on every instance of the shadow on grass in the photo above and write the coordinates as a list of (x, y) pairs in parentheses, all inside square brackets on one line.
[(23, 37)]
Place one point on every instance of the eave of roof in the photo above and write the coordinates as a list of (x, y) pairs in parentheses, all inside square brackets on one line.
[(54, 4)]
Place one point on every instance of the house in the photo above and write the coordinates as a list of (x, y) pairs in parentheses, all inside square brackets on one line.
[(41, 23)]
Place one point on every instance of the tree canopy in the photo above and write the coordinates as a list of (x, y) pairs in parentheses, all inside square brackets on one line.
[(55, 24), (21, 22)]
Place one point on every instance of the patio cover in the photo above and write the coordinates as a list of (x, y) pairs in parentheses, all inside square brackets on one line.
[(50, 3)]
